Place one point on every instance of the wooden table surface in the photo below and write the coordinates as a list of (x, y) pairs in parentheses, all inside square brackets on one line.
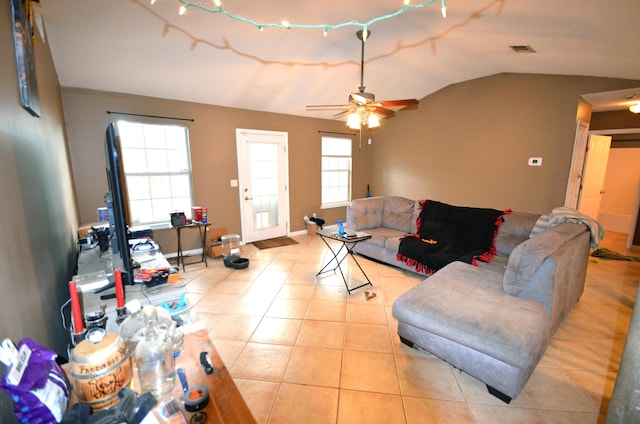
[(226, 405)]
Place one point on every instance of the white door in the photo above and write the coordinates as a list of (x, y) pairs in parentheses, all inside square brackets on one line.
[(263, 180), (595, 169), (577, 165)]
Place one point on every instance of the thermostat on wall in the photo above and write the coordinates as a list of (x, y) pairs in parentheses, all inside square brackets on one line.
[(535, 162)]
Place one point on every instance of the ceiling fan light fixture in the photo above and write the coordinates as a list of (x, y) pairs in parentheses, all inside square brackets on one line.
[(374, 122), (635, 108), (353, 121)]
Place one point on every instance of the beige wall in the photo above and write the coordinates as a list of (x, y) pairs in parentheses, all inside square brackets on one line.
[(38, 216), (212, 137), (468, 144), (614, 119)]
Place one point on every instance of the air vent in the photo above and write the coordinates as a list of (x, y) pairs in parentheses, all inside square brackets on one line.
[(522, 49)]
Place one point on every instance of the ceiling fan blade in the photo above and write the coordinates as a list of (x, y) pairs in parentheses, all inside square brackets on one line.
[(405, 102), (341, 114), (387, 113), (327, 106)]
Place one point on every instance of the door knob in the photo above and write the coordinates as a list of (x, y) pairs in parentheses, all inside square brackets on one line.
[(248, 198)]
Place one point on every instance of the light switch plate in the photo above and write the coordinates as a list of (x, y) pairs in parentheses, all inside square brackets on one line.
[(535, 161)]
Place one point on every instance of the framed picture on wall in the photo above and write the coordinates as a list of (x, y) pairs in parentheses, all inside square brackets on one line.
[(23, 37)]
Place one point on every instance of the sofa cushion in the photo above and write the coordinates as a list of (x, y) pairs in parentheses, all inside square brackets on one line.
[(380, 236), (366, 213), (515, 229), (525, 259), (397, 213)]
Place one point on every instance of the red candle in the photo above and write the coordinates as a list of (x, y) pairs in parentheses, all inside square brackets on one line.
[(119, 289), (78, 324)]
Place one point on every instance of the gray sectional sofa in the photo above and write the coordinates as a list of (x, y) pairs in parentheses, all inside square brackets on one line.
[(493, 321)]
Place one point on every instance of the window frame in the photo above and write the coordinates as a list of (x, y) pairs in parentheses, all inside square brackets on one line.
[(165, 223), (347, 201)]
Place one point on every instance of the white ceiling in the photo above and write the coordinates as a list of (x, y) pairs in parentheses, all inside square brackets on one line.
[(133, 47)]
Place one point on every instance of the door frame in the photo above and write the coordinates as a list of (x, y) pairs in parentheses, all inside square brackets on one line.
[(577, 153), (242, 184)]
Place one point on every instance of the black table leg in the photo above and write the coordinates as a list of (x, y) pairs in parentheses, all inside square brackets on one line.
[(348, 252)]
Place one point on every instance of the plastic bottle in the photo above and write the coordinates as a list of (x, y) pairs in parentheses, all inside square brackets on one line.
[(154, 357), (205, 218), (341, 228)]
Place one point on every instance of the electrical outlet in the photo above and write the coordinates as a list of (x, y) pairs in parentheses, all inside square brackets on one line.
[(535, 161)]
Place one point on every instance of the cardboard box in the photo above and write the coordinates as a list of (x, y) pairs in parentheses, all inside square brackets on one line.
[(214, 248), (312, 228), (214, 251)]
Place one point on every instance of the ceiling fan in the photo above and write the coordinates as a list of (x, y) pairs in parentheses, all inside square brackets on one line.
[(363, 109)]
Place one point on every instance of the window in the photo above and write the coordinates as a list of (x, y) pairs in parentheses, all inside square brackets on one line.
[(336, 171), (157, 170)]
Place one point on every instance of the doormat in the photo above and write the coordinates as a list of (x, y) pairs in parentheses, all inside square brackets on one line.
[(610, 254), (274, 242)]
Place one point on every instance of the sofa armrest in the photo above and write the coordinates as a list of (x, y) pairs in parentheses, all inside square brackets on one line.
[(529, 255)]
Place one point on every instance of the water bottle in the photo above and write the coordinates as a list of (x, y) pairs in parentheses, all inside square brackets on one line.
[(341, 228)]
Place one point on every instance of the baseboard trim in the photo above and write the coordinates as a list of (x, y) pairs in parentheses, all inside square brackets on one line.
[(191, 252)]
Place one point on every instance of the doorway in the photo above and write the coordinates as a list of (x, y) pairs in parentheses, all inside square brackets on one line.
[(263, 183), (595, 169), (611, 221)]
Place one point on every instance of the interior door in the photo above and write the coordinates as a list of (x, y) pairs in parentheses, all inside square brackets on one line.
[(595, 169), (263, 180), (577, 165)]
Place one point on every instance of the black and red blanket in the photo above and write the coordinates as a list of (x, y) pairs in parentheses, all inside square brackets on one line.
[(449, 233)]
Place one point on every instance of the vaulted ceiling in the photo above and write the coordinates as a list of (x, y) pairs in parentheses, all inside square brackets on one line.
[(134, 47)]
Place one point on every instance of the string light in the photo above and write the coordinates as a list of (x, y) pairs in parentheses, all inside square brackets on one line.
[(324, 27)]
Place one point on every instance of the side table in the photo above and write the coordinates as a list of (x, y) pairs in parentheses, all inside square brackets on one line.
[(347, 243), (202, 230)]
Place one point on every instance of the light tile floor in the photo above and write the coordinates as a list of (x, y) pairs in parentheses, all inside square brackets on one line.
[(300, 349)]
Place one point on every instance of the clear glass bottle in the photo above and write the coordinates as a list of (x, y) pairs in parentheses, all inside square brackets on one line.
[(154, 357), (129, 330), (131, 325)]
